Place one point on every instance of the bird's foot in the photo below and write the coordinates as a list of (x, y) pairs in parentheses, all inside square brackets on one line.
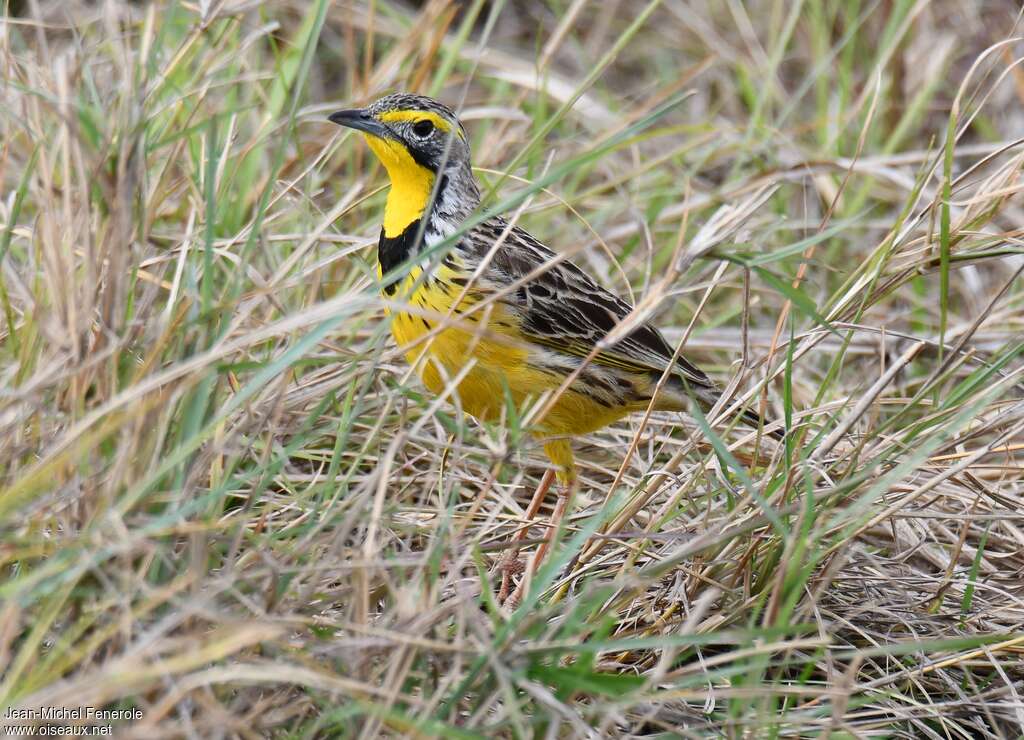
[(510, 566), (554, 524)]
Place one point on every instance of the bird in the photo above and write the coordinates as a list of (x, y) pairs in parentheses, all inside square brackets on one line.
[(486, 312)]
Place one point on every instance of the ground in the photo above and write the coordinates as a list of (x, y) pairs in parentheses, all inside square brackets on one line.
[(227, 503)]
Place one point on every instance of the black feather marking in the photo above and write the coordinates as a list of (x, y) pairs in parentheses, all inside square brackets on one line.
[(539, 323), (599, 316), (393, 251)]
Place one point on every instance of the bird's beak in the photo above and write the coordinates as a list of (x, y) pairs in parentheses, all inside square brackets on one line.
[(360, 120)]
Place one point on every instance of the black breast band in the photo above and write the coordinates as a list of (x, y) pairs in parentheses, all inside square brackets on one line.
[(394, 250)]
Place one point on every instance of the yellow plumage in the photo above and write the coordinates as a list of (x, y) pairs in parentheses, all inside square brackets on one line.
[(496, 352)]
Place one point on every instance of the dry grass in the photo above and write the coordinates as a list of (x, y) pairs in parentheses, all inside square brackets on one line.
[(226, 503)]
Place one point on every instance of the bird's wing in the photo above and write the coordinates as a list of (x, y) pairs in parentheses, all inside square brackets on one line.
[(562, 308)]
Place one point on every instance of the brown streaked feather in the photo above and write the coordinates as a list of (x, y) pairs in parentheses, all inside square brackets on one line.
[(563, 309)]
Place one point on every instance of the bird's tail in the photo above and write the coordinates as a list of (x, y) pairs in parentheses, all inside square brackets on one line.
[(707, 397), (755, 420)]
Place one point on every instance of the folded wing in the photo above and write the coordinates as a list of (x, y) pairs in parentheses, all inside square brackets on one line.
[(563, 309)]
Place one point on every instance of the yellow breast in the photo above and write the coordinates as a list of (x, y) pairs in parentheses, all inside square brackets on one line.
[(484, 340), (498, 356)]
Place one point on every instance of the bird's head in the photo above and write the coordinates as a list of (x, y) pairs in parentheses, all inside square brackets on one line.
[(418, 140)]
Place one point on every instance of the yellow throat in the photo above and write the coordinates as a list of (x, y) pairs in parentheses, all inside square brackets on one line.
[(411, 184)]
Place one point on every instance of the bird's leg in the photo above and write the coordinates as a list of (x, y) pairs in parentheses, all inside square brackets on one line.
[(510, 563), (561, 454), (564, 491)]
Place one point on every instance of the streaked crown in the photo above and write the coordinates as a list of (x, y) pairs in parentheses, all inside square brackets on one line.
[(429, 130), (407, 105)]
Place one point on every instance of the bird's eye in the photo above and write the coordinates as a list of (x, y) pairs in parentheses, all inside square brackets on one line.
[(423, 128)]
